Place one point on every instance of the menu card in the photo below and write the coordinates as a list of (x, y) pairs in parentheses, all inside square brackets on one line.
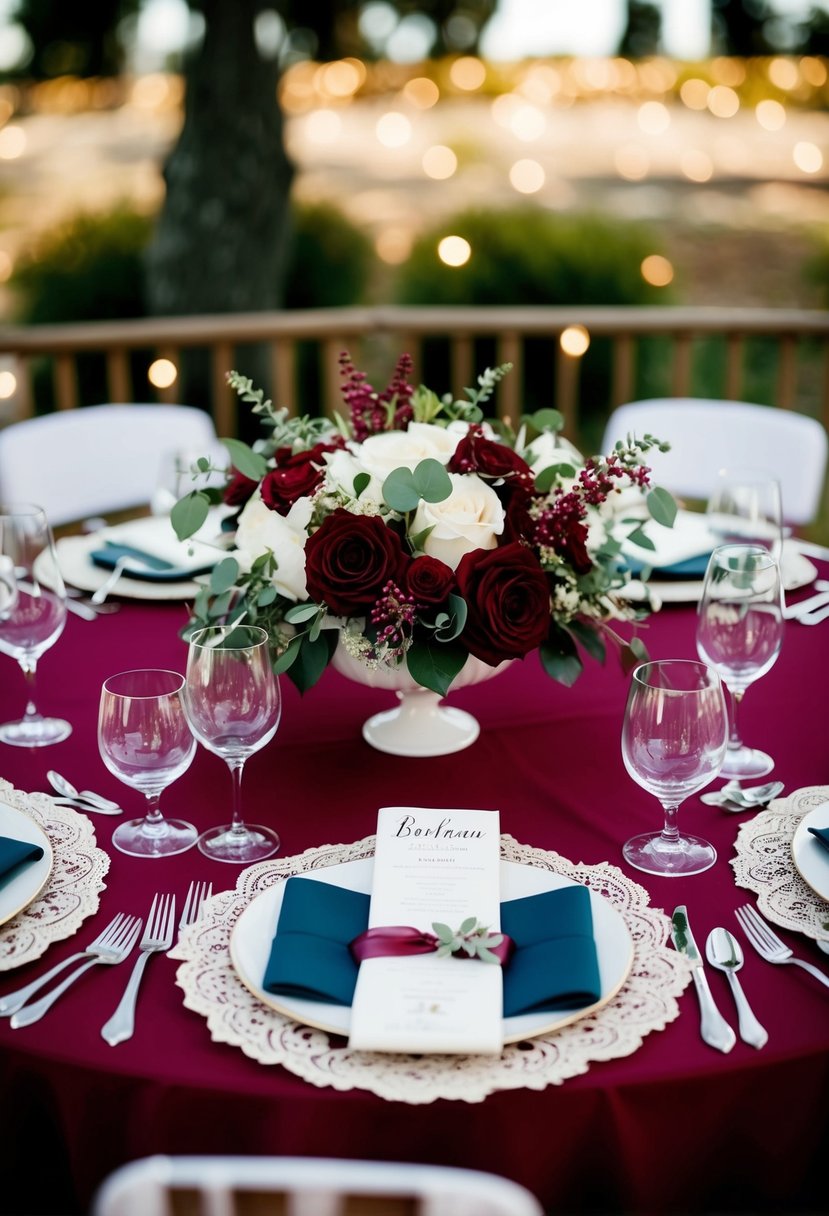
[(432, 865)]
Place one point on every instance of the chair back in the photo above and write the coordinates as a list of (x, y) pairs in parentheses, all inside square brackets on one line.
[(707, 435), (100, 458), (305, 1186)]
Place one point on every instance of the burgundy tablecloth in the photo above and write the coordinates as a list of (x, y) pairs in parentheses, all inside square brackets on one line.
[(676, 1127)]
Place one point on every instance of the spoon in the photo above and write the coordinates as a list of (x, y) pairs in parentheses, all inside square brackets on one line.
[(724, 952), (732, 797), (67, 789), (88, 808)]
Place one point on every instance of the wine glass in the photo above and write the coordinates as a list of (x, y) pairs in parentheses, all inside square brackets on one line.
[(674, 738), (32, 613), (233, 702), (739, 632), (746, 507), (145, 740)]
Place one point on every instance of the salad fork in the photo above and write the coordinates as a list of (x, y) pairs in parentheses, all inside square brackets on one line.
[(116, 950), (12, 1001), (158, 936), (768, 945), (196, 895)]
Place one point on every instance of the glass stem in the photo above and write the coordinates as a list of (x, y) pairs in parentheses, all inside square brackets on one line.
[(29, 667), (153, 817), (237, 826), (670, 830), (734, 740)]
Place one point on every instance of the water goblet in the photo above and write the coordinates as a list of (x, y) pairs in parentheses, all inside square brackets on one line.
[(32, 613), (739, 632), (233, 702), (674, 738), (746, 507), (145, 740)]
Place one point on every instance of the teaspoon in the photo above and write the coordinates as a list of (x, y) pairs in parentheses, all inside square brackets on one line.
[(732, 797), (67, 789), (724, 952)]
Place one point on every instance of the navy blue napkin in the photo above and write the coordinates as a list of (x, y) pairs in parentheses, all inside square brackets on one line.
[(153, 569), (16, 853), (554, 964), (692, 567)]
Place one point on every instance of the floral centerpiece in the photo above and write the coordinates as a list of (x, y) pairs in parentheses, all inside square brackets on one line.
[(425, 534)]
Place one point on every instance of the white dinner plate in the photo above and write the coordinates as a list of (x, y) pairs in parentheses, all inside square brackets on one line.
[(250, 947), (18, 892), (796, 569), (78, 570), (811, 859)]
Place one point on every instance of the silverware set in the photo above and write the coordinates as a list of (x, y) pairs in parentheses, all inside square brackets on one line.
[(81, 800), (724, 952), (112, 946), (735, 798)]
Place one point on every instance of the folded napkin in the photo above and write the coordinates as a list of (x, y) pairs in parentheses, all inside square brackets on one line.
[(681, 551), (16, 853), (821, 835), (554, 964), (156, 552)]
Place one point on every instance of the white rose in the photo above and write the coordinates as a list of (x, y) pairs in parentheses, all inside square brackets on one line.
[(472, 517), (381, 454), (261, 530)]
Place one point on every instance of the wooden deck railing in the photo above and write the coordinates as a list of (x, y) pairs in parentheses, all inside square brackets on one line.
[(789, 332)]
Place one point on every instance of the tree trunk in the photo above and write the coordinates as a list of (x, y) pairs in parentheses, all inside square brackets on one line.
[(221, 238)]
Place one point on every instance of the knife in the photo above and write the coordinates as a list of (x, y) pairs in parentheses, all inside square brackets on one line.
[(714, 1029)]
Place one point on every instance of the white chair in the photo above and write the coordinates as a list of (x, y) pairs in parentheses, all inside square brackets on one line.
[(83, 462), (706, 436), (305, 1186)]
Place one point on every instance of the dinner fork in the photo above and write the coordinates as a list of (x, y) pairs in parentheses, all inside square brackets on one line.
[(196, 895), (158, 936), (12, 1001), (768, 945), (116, 950)]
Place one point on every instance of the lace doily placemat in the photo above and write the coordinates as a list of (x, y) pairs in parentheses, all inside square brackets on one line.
[(764, 864), (74, 886), (646, 1002)]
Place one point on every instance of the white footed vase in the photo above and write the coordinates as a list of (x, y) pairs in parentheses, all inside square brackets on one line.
[(420, 725)]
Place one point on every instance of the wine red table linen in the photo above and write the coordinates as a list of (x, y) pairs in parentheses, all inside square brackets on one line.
[(675, 1127)]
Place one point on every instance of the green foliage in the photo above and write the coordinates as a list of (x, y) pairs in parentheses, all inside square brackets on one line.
[(86, 269), (528, 256), (472, 939), (329, 262)]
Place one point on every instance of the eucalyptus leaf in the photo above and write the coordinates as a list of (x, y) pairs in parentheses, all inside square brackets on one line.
[(547, 420), (220, 605), (468, 925), (639, 537), (189, 513), (224, 575), (590, 639), (300, 613), (453, 628), (310, 663), (560, 658), (434, 665), (431, 481), (288, 656), (400, 491), (266, 596), (360, 483), (633, 654), (662, 506), (251, 464)]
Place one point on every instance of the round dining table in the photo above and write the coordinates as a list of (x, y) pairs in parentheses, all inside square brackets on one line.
[(675, 1126)]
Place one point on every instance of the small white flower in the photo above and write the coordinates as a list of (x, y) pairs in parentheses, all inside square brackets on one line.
[(261, 530), (548, 449), (472, 517)]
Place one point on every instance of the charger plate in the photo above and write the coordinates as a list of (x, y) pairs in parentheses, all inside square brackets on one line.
[(250, 946), (811, 860), (78, 570), (645, 1002), (72, 887), (765, 864)]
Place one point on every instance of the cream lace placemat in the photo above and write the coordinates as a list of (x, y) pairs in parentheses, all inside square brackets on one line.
[(764, 865), (72, 892), (646, 1002)]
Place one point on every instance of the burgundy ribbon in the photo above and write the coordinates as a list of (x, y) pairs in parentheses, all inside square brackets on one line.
[(397, 941)]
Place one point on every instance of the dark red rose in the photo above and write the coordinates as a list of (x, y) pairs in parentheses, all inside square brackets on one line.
[(516, 499), (477, 454), (239, 489), (296, 475), (573, 548), (349, 560), (429, 581), (508, 603)]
